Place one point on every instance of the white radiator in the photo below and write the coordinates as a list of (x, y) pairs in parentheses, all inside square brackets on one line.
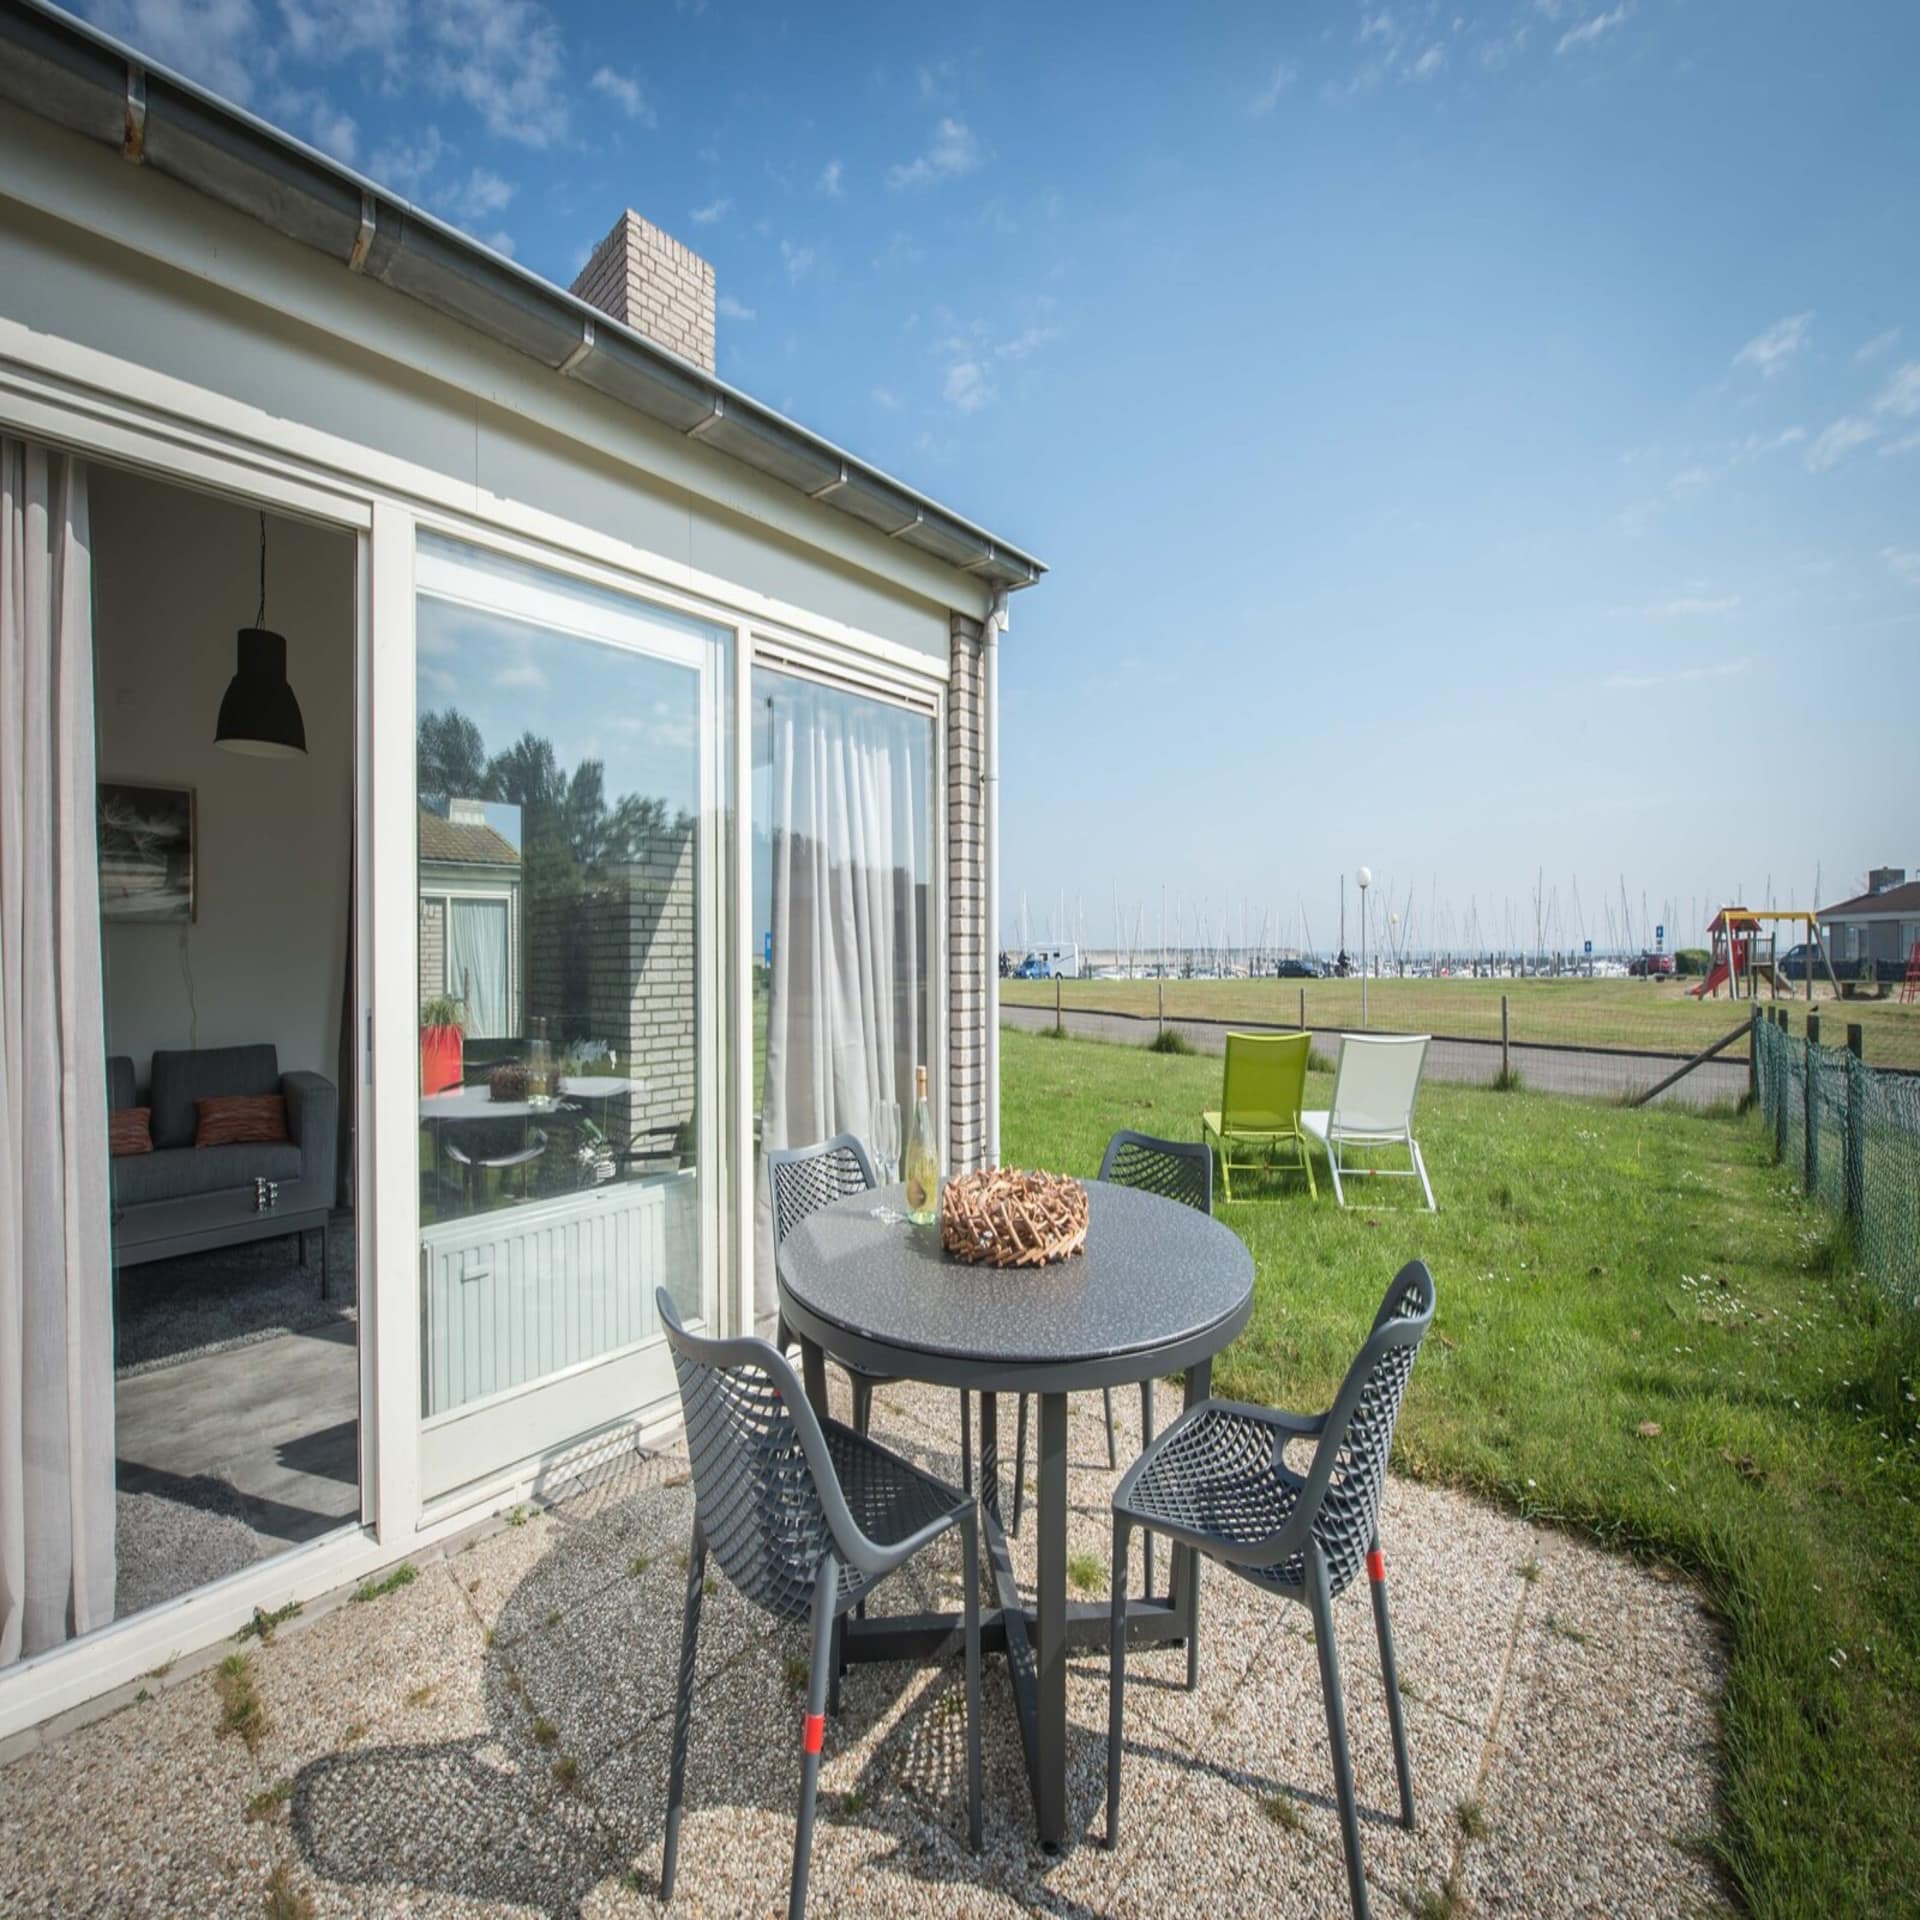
[(514, 1295)]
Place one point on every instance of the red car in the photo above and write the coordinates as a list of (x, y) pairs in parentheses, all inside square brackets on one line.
[(1650, 965)]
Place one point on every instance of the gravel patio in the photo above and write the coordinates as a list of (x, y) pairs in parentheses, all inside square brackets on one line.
[(491, 1739)]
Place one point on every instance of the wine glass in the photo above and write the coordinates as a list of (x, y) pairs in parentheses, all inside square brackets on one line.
[(886, 1138)]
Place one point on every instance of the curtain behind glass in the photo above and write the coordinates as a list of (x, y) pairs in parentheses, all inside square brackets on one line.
[(847, 791), (477, 964), (56, 1326)]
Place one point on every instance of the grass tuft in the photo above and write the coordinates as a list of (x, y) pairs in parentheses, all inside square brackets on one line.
[(263, 1625), (285, 1901), (404, 1575), (269, 1804), (1471, 1818), (1447, 1902), (242, 1710), (545, 1733), (1085, 1573), (1284, 1811), (566, 1773), (1169, 1040), (1507, 1080)]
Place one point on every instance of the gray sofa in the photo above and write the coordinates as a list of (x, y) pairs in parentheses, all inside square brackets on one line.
[(184, 1199)]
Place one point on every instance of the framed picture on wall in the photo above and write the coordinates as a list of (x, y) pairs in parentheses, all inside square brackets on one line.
[(146, 852)]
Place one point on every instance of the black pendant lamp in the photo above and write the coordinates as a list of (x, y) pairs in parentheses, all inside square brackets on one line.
[(259, 715)]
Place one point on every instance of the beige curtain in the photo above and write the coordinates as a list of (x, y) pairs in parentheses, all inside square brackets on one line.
[(56, 1288)]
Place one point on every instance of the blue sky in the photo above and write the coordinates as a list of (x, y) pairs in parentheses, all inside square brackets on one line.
[(1472, 439)]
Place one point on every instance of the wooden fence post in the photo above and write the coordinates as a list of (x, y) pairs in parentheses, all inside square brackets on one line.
[(1162, 1027), (1506, 1071), (1303, 1009), (1856, 1129), (1056, 1001)]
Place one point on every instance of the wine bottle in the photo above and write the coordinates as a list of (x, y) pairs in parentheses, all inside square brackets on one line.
[(922, 1162)]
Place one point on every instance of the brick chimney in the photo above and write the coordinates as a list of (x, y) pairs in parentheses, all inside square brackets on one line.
[(647, 280)]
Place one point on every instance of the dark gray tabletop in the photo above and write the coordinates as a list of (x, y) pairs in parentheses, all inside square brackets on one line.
[(1159, 1286)]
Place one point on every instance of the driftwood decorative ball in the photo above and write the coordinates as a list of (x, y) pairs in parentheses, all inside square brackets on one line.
[(1000, 1217)]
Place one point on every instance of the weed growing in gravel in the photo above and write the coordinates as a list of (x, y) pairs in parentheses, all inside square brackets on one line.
[(261, 1626), (419, 1696), (518, 1517), (285, 1901), (798, 1671), (1085, 1572), (1564, 1629), (353, 1735), (1528, 1569), (242, 1711), (268, 1804), (545, 1733), (1449, 1903), (553, 1616), (853, 1803), (1169, 1040), (1472, 1817), (404, 1575), (1284, 1811), (566, 1773), (638, 1565)]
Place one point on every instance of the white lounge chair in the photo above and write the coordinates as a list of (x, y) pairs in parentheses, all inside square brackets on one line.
[(1373, 1092)]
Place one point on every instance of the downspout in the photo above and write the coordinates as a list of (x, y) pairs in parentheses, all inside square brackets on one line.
[(990, 814)]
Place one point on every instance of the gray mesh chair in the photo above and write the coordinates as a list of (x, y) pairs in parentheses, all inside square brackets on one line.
[(1217, 1480), (806, 1517), (801, 1180), (1177, 1170)]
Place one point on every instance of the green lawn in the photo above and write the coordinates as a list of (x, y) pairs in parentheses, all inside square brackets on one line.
[(1659, 1015), (1600, 1269)]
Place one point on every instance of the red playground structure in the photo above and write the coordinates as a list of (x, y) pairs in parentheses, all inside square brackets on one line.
[(1744, 949)]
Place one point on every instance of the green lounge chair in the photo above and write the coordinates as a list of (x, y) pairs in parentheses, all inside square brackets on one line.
[(1260, 1104)]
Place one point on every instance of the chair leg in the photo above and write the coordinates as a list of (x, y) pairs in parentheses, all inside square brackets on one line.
[(1146, 1440), (1333, 1167), (1390, 1672), (970, 1586), (1116, 1676), (1113, 1445), (1420, 1167), (1193, 1611), (966, 1441), (683, 1707), (1019, 1463), (813, 1731), (839, 1667), (862, 1405), (1321, 1600), (1306, 1162)]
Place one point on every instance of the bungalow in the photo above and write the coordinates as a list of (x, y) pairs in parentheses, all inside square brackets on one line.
[(1876, 933), (391, 627)]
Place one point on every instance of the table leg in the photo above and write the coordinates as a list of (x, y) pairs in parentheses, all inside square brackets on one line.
[(1050, 1599), (990, 1454), (1184, 1577), (813, 1375)]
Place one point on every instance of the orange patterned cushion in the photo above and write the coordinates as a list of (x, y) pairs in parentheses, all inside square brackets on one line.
[(236, 1119), (129, 1130)]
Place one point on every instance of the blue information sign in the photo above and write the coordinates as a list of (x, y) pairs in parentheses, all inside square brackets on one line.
[(1659, 936), (1589, 946)]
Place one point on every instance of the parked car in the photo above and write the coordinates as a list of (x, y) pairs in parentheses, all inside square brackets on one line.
[(1296, 969), (1650, 966)]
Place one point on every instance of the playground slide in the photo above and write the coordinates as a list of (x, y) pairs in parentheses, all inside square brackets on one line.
[(1716, 979)]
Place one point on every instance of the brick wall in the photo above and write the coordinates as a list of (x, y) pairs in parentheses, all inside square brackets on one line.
[(966, 901), (649, 281), (620, 957), (433, 950)]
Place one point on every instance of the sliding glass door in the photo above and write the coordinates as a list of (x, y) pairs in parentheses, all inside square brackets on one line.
[(843, 903), (571, 769)]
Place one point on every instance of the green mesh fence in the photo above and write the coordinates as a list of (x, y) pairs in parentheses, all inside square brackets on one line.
[(1851, 1137)]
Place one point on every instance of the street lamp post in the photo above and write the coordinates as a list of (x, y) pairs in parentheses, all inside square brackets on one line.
[(1365, 877)]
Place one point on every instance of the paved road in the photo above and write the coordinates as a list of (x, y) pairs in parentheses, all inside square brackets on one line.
[(1593, 1072)]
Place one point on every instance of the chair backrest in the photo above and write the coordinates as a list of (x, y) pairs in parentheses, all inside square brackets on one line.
[(1177, 1169), (1349, 1471), (763, 1481), (801, 1180), (1266, 1075), (1375, 1082)]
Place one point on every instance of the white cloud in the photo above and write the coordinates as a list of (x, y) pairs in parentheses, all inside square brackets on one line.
[(333, 29), (406, 166), (729, 308), (829, 181), (797, 260), (887, 398), (506, 60), (213, 40), (328, 127), (1688, 478), (1899, 399), (1278, 82), (1768, 353), (1430, 62), (480, 196), (626, 93), (967, 386), (526, 674), (1589, 31), (1905, 562), (1874, 348), (1905, 444), (1677, 677), (1692, 606), (1024, 344), (953, 151), (712, 211)]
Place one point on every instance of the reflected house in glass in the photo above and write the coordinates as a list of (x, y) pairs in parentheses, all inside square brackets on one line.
[(470, 915)]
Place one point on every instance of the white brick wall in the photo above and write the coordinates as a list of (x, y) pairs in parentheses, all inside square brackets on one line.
[(966, 901), (647, 280)]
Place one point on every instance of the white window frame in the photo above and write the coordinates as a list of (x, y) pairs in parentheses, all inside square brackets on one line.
[(68, 395)]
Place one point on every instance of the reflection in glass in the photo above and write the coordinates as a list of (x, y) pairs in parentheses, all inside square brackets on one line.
[(842, 867), (559, 803)]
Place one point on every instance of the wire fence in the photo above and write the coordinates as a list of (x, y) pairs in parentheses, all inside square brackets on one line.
[(1851, 1136), (1605, 1038)]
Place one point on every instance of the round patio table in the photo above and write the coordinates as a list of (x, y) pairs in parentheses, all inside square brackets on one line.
[(1159, 1288)]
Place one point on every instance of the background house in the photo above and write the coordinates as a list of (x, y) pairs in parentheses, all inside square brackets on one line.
[(1875, 931)]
